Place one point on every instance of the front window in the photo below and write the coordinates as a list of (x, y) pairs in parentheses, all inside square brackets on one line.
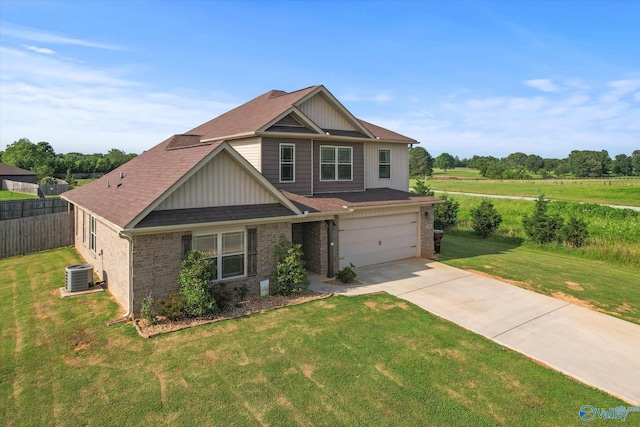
[(227, 251), (336, 163), (384, 164), (287, 162)]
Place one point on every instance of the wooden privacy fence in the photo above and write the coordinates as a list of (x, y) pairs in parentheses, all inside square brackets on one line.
[(39, 190), (10, 209), (36, 233)]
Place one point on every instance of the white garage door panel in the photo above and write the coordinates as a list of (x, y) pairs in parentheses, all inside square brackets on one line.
[(373, 240)]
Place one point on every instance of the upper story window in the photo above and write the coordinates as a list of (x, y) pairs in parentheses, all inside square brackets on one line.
[(336, 163), (227, 251), (384, 164), (92, 233), (287, 162)]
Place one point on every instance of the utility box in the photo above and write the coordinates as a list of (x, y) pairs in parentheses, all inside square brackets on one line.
[(78, 277), (437, 240)]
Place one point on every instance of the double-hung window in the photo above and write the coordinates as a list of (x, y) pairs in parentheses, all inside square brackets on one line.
[(287, 162), (92, 233), (227, 251), (336, 163), (384, 164)]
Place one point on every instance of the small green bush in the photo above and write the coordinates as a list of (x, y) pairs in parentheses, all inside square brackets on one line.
[(485, 219), (148, 310), (445, 215), (241, 293), (289, 275), (172, 308), (222, 296), (347, 275), (574, 232), (542, 227), (195, 280), (421, 188)]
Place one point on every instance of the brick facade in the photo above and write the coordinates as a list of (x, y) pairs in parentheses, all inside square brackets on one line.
[(426, 232), (313, 237), (158, 257), (111, 258)]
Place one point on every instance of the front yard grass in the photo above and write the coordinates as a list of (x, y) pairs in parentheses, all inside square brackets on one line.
[(603, 286), (370, 360)]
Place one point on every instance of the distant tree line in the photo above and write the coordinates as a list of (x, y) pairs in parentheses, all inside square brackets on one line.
[(43, 160), (579, 164)]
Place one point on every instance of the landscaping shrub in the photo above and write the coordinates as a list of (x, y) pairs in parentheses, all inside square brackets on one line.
[(445, 215), (347, 275), (542, 227), (574, 232), (290, 274), (148, 310), (172, 308), (241, 293), (222, 296), (195, 280), (485, 219), (421, 188)]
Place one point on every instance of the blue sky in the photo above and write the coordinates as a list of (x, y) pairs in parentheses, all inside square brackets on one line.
[(464, 77)]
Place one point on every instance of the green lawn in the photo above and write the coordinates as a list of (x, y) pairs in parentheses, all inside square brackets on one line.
[(370, 360), (457, 173), (611, 289), (624, 191), (10, 195)]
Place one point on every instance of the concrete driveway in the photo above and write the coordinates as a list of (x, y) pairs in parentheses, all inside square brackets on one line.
[(595, 348)]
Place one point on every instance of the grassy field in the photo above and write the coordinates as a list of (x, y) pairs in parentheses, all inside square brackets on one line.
[(10, 195), (614, 233), (371, 360), (598, 285), (614, 192)]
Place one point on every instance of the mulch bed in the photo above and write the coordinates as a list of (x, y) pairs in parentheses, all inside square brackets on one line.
[(338, 282), (250, 306)]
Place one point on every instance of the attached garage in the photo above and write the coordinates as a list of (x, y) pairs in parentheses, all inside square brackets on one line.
[(378, 239)]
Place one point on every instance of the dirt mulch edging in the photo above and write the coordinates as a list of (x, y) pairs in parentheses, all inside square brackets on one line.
[(251, 306), (338, 282)]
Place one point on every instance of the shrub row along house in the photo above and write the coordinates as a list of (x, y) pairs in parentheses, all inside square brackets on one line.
[(294, 164)]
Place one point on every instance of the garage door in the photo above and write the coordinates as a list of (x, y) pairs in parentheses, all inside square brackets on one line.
[(367, 241)]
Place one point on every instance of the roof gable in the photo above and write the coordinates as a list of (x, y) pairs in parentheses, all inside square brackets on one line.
[(220, 182)]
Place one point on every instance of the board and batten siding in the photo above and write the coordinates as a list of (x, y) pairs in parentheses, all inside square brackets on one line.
[(250, 149), (357, 184), (221, 182), (325, 115), (302, 166), (399, 166)]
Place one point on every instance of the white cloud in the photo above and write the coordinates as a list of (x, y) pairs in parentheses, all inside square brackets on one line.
[(42, 50), (575, 118), (544, 85), (78, 108), (26, 33)]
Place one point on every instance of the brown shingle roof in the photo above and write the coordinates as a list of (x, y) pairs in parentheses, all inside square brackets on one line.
[(251, 116), (6, 169), (148, 176), (383, 133), (337, 202), (145, 178)]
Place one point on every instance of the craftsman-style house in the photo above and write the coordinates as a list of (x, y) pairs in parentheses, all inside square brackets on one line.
[(296, 164)]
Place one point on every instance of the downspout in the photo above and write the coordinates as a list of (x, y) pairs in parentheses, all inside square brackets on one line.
[(130, 286), (330, 273)]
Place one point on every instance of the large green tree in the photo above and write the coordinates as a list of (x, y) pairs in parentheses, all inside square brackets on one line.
[(588, 163), (622, 165), (445, 161), (420, 162)]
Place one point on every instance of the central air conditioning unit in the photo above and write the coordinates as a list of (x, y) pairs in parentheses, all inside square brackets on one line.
[(79, 277)]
